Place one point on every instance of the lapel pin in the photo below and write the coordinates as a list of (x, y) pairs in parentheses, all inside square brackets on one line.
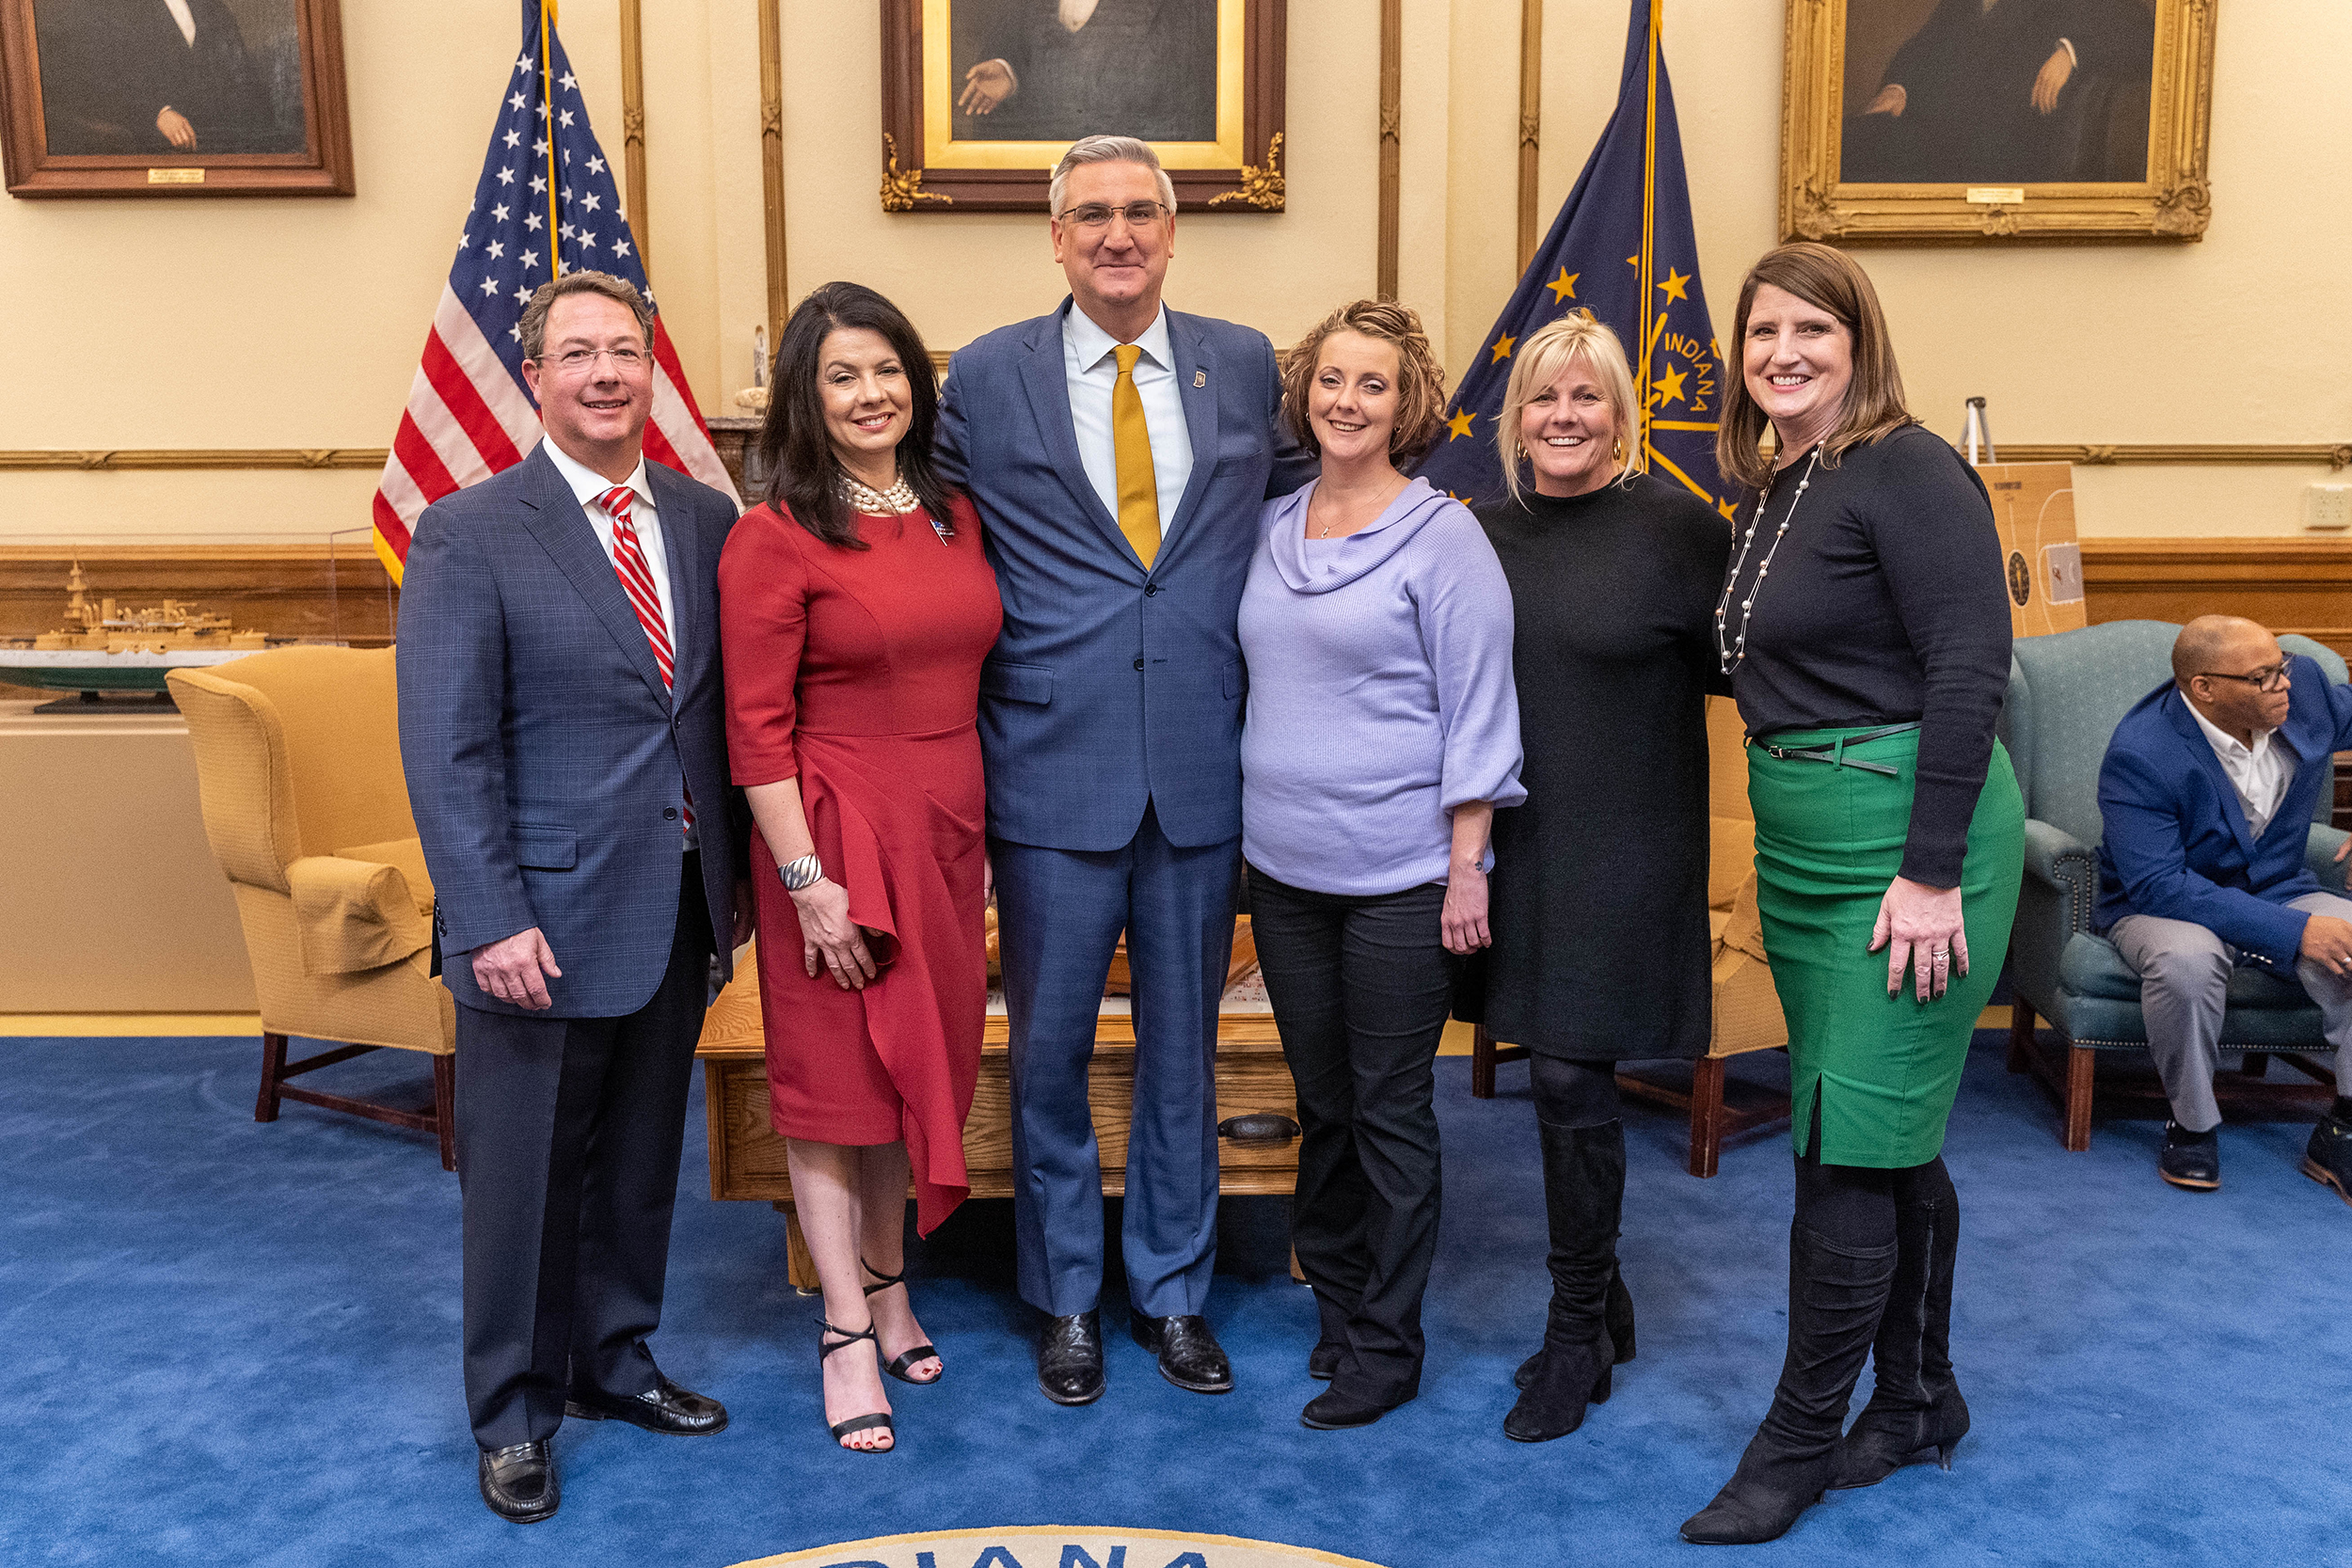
[(1201, 378)]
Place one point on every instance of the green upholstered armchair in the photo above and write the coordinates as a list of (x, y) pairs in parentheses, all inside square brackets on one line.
[(2066, 694)]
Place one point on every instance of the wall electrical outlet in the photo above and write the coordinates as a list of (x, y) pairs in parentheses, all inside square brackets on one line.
[(2328, 507)]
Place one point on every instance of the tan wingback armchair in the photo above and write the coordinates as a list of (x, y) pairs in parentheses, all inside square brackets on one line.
[(1747, 1009), (297, 762)]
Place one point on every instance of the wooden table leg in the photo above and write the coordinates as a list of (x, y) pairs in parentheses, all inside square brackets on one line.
[(799, 1267)]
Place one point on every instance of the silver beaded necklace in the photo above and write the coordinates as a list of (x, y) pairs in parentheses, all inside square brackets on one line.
[(1735, 652), (896, 502)]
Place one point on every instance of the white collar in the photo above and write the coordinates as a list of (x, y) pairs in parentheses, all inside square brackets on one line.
[(2227, 744), (1092, 344), (587, 484)]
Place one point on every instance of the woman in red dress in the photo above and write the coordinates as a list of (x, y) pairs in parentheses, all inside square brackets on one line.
[(857, 606)]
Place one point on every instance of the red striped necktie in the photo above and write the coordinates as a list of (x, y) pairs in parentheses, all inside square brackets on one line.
[(629, 561)]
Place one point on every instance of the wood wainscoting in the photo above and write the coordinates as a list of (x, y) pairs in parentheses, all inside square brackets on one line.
[(2299, 584)]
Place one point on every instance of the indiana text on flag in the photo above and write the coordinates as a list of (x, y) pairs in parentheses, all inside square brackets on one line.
[(546, 201), (1621, 249)]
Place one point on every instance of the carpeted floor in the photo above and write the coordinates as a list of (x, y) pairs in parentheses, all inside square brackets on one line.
[(242, 1348)]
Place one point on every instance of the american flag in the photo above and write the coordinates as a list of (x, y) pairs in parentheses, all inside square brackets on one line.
[(546, 198)]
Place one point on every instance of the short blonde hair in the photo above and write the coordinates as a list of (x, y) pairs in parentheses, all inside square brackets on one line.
[(1108, 150), (1547, 353), (1420, 379)]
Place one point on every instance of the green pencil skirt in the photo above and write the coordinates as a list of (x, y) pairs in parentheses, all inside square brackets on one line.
[(1829, 838)]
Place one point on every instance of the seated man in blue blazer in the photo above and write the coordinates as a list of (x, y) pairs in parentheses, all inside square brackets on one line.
[(1120, 455), (2208, 789)]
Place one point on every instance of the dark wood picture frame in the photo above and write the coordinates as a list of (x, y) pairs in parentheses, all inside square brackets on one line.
[(321, 167), (911, 185)]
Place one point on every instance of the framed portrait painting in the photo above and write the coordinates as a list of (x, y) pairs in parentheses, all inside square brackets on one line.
[(981, 98), (1996, 119), (173, 98)]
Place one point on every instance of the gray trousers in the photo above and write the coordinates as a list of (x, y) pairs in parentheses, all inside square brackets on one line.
[(2184, 972)]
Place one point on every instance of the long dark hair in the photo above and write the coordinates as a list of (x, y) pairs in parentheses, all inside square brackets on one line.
[(1827, 279), (802, 467)]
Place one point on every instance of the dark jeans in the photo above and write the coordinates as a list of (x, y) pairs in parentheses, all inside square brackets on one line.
[(1360, 987), (568, 1136)]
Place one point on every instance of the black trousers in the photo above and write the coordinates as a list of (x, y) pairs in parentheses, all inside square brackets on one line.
[(568, 1136), (1359, 988)]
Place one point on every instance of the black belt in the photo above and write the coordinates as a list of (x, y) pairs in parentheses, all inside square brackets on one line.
[(1833, 752)]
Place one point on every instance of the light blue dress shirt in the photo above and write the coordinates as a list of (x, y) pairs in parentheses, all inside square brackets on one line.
[(1093, 372)]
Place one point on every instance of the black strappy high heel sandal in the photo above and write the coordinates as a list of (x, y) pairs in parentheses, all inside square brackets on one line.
[(897, 1367), (855, 1424)]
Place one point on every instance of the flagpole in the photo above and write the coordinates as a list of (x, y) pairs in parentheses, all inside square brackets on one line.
[(1650, 217), (546, 104)]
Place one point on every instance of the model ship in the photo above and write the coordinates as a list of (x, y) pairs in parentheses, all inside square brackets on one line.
[(104, 646)]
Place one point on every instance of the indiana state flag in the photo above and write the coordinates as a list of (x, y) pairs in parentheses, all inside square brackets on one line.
[(1621, 250)]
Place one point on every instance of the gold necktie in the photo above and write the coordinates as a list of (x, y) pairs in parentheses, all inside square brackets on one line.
[(1131, 439)]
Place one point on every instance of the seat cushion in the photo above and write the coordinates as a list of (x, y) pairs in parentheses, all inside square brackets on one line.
[(2091, 968)]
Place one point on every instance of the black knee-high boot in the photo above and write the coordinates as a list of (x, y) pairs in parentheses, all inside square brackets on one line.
[(1837, 1295), (1583, 1196), (1916, 1402)]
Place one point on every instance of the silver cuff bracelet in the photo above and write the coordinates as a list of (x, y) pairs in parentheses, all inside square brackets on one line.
[(806, 871)]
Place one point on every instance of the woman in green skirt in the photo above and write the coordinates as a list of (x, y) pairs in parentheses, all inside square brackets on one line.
[(1864, 624)]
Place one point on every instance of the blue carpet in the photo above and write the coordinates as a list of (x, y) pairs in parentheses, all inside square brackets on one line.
[(242, 1348)]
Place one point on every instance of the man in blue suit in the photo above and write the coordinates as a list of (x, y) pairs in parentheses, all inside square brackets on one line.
[(2207, 791), (561, 730), (1118, 453)]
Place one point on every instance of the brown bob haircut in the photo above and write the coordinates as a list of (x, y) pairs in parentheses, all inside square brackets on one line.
[(535, 322), (1827, 279), (1420, 379)]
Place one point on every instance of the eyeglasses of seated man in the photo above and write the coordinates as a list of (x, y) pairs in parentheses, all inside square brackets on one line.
[(2271, 677)]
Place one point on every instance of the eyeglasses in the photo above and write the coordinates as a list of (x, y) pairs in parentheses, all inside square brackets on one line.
[(2272, 679), (575, 361), (1097, 215)]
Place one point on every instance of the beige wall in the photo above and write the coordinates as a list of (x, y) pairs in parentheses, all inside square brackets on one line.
[(296, 323)]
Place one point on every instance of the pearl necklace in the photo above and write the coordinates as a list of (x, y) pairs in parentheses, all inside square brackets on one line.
[(1735, 652), (896, 502)]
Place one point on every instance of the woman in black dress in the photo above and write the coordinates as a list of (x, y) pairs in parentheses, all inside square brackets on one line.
[(1599, 887)]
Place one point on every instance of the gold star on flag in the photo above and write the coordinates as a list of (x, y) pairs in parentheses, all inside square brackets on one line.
[(1503, 349), (1674, 281), (1459, 425), (1669, 384), (1730, 510), (1563, 286)]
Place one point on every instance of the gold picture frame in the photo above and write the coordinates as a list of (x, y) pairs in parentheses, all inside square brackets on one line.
[(938, 155), (2056, 178)]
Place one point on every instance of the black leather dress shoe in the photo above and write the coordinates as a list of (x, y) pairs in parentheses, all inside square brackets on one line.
[(518, 1482), (2192, 1160), (1070, 1359), (2327, 1159), (1337, 1407), (1190, 1357), (664, 1408), (1324, 1361)]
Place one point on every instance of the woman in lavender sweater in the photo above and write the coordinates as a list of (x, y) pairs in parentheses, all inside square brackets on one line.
[(1382, 733)]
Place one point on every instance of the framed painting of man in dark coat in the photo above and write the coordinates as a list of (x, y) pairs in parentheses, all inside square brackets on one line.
[(1997, 119), (981, 98), (174, 97)]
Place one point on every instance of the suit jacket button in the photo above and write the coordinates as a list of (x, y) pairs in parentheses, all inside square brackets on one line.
[(1149, 589), (1139, 664), (668, 814)]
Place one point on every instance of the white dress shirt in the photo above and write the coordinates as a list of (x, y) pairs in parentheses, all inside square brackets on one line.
[(588, 485), (186, 17), (2260, 773), (1093, 372)]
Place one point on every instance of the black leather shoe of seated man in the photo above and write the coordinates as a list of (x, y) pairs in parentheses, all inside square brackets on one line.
[(1190, 1357), (2192, 1160), (1070, 1359), (518, 1482), (2327, 1159), (664, 1408)]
